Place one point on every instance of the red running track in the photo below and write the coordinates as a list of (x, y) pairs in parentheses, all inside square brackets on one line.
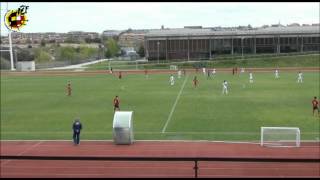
[(44, 168)]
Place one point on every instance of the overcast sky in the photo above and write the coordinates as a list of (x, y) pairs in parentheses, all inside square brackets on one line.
[(97, 17)]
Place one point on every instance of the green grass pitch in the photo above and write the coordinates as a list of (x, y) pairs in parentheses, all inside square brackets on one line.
[(38, 108)]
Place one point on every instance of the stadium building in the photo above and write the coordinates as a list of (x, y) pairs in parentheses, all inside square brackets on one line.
[(206, 43)]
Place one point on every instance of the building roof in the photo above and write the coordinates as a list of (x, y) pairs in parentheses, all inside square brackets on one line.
[(234, 31)]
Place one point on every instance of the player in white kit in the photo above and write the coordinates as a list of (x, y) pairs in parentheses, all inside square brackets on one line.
[(276, 73), (300, 78), (225, 87), (250, 77), (171, 80), (204, 71), (179, 74), (213, 72)]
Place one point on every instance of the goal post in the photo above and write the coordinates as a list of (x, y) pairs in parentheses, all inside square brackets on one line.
[(280, 136)]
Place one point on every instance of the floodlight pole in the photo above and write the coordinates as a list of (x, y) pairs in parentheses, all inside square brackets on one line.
[(11, 53), (242, 47), (10, 48), (158, 43)]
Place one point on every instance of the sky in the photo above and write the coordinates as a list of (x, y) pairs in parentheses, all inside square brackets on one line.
[(63, 17)]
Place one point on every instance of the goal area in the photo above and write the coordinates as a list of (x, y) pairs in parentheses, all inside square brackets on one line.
[(280, 136)]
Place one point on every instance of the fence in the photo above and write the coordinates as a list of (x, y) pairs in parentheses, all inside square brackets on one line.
[(186, 159)]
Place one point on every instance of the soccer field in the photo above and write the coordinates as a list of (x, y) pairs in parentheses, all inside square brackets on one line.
[(34, 107)]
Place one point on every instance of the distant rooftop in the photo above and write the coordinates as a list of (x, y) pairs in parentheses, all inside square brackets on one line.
[(233, 31)]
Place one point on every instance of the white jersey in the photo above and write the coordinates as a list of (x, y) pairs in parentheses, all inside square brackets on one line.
[(300, 77), (179, 73), (204, 71), (213, 71), (277, 73), (225, 85), (171, 80), (251, 78)]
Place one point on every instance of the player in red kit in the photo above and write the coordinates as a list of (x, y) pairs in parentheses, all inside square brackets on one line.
[(195, 81), (69, 89), (146, 73), (116, 104), (120, 75), (315, 104)]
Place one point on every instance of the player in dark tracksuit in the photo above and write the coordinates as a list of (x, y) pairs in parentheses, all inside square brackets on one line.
[(77, 126)]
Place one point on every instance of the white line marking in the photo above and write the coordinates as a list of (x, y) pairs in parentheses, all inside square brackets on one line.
[(174, 105), (150, 132), (28, 149), (35, 145)]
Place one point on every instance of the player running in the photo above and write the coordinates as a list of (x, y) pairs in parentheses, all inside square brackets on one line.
[(146, 73), (315, 105), (300, 77), (250, 77), (69, 89), (204, 71), (179, 74), (120, 75), (213, 72), (195, 81), (276, 73), (225, 87), (116, 104), (171, 80)]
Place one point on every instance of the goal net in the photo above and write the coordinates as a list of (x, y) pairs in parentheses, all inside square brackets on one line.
[(280, 136)]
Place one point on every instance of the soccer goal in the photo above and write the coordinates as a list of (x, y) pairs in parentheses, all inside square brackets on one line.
[(280, 136), (173, 67)]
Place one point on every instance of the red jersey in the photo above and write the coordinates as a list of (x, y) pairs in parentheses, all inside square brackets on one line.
[(116, 102), (195, 82), (315, 103)]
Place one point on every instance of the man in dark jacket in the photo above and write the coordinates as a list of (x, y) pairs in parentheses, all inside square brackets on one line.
[(76, 131)]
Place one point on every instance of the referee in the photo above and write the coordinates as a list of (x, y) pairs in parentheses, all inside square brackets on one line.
[(77, 126)]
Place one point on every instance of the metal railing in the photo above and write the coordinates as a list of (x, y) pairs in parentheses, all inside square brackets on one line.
[(187, 159)]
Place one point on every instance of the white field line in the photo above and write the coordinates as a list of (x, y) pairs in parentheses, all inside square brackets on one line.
[(174, 105), (110, 140), (147, 132)]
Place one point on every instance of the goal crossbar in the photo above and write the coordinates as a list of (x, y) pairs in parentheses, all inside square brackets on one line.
[(280, 135)]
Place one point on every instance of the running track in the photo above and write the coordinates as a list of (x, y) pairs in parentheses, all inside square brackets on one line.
[(48, 169)]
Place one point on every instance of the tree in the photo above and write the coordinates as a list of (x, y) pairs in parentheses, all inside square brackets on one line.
[(25, 55), (112, 47), (141, 51), (42, 56), (43, 43)]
